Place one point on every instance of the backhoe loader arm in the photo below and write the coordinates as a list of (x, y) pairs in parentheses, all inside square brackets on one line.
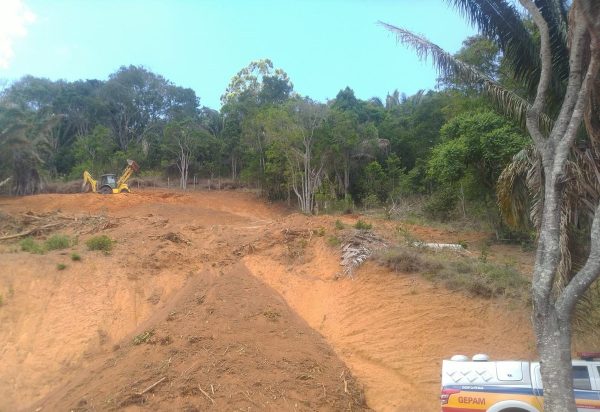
[(132, 166), (88, 179)]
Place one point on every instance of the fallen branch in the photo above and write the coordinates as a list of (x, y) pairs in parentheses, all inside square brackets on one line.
[(441, 246), (152, 386), (206, 394), (30, 231)]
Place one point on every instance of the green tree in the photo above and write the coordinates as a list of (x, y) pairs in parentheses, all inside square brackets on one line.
[(480, 143), (23, 148), (260, 83), (139, 102), (94, 151), (297, 129), (560, 62), (183, 142)]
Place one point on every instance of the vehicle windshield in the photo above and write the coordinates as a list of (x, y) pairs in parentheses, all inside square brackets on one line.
[(110, 180)]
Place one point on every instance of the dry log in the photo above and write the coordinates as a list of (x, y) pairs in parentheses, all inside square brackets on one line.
[(30, 231)]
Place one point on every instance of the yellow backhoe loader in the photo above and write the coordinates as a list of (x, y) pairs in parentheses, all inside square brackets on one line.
[(108, 183)]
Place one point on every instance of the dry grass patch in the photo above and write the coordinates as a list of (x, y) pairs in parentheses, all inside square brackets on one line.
[(459, 273)]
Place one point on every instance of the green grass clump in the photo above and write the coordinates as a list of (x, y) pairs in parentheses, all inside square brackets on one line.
[(75, 257), (143, 337), (339, 225), (334, 241), (103, 243), (57, 242), (361, 225), (30, 245), (61, 266)]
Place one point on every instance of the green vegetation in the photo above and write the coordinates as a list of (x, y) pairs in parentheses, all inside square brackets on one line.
[(373, 153), (61, 266), (459, 273), (334, 241), (57, 242), (30, 245), (339, 225), (143, 337), (75, 257), (102, 242), (362, 225)]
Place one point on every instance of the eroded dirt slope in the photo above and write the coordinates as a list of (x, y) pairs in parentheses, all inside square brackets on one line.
[(226, 342), (391, 330)]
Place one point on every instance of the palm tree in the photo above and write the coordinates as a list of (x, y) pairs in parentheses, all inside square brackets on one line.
[(560, 72), (23, 146), (501, 22)]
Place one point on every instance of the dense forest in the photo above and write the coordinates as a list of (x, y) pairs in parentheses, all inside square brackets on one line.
[(447, 146)]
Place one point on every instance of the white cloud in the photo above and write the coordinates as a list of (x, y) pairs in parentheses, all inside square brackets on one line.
[(14, 18)]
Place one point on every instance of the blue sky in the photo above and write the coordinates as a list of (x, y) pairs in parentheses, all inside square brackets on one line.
[(324, 46)]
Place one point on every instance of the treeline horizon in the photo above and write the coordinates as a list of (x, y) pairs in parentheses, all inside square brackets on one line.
[(449, 145)]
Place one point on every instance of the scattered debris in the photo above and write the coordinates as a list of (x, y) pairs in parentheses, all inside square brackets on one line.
[(357, 246), (172, 237), (149, 388), (31, 224), (207, 395)]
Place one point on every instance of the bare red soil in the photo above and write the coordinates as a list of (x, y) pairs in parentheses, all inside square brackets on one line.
[(239, 305)]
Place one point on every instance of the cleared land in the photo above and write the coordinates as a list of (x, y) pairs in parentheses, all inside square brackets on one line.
[(221, 301)]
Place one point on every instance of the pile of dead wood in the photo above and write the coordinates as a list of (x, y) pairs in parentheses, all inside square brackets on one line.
[(34, 224), (357, 246)]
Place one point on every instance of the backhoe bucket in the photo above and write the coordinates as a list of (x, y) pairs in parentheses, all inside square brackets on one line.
[(133, 165)]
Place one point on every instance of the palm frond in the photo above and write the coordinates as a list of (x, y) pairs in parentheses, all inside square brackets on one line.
[(512, 192), (502, 23), (508, 101)]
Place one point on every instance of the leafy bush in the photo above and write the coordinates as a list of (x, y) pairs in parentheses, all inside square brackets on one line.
[(57, 242), (103, 243), (361, 225), (407, 260), (441, 204), (75, 257), (371, 202), (30, 245), (339, 225)]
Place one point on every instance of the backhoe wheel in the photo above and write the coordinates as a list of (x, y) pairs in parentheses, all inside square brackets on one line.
[(105, 190)]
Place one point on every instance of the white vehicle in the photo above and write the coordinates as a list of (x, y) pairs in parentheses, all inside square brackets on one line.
[(479, 384)]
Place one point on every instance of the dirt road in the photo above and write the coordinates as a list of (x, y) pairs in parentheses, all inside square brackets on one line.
[(205, 280)]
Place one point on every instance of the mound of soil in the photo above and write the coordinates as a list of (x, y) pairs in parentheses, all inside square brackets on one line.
[(227, 342)]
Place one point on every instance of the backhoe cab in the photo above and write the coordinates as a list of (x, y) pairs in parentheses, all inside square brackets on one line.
[(108, 183)]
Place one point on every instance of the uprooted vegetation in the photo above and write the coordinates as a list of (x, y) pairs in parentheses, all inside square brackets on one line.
[(30, 224)]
